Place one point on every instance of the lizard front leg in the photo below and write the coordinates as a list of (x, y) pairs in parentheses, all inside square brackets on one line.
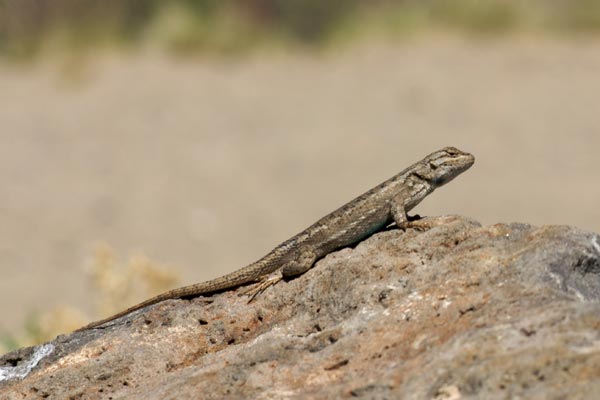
[(402, 219), (399, 212)]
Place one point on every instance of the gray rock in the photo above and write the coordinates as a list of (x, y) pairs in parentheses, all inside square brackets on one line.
[(457, 311)]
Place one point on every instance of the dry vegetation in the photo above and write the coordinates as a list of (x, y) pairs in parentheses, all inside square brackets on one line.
[(30, 27), (115, 283)]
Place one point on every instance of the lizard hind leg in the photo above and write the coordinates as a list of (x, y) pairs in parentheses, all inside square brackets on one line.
[(299, 265), (290, 269), (262, 285)]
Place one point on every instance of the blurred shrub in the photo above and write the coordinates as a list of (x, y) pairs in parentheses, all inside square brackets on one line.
[(25, 25), (580, 16), (28, 26), (116, 285), (487, 16)]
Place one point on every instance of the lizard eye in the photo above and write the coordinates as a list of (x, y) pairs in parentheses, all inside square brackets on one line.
[(433, 165)]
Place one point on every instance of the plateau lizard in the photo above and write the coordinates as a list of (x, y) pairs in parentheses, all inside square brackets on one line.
[(368, 213)]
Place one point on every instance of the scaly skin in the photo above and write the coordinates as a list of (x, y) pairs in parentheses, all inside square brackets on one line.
[(368, 213)]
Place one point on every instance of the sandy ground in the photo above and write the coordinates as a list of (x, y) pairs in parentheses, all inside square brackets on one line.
[(207, 164)]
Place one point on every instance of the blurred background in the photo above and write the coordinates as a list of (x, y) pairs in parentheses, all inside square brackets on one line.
[(152, 144)]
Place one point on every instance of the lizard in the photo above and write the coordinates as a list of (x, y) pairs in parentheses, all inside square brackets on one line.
[(370, 212)]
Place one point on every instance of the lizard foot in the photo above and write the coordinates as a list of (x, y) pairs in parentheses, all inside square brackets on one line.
[(417, 223), (425, 224), (261, 286)]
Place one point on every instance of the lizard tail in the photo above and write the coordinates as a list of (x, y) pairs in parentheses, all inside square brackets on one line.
[(176, 293), (250, 273)]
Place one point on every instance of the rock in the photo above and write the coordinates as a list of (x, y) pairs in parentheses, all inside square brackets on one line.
[(456, 311)]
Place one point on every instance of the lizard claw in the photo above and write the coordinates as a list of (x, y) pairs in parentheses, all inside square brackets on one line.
[(262, 286)]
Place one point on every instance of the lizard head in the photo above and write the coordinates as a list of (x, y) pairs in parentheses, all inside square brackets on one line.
[(442, 166)]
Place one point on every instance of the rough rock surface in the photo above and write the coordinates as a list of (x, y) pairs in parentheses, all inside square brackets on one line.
[(456, 311)]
